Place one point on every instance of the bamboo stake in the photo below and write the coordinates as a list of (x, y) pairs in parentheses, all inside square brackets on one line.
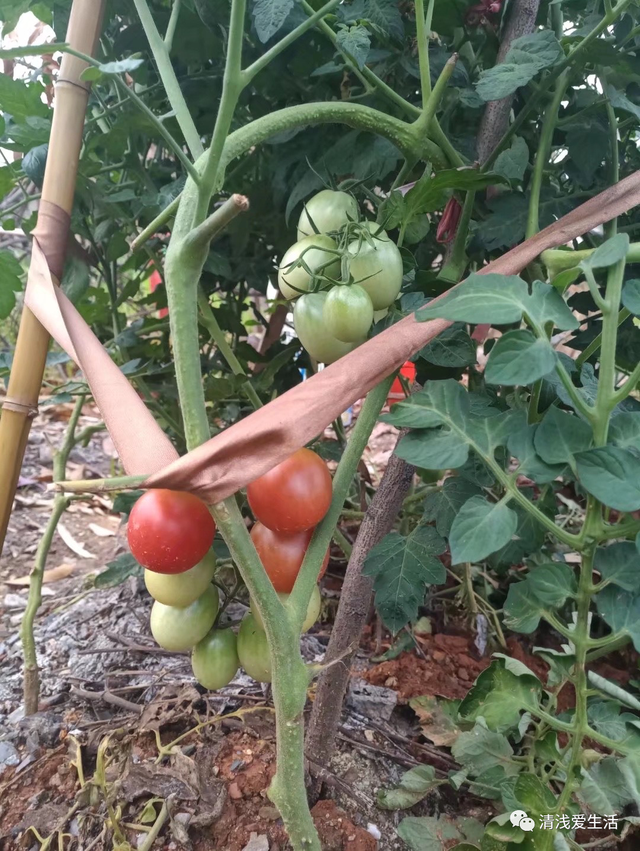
[(58, 188)]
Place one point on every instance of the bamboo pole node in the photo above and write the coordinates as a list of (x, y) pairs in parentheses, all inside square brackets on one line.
[(83, 88), (10, 404)]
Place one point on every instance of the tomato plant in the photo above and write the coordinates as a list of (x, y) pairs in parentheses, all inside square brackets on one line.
[(253, 650), (181, 589), (214, 659), (282, 553), (293, 496), (326, 212), (182, 628), (170, 531), (312, 255), (313, 610), (348, 313)]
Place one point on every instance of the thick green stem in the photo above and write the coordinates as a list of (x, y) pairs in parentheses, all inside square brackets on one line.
[(605, 399), (542, 155), (31, 682), (308, 576), (231, 88), (557, 259), (160, 48)]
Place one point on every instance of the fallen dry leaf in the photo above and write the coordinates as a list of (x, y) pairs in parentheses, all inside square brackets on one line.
[(100, 531), (70, 541), (53, 575)]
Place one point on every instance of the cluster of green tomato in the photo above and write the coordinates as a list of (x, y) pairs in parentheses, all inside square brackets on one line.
[(344, 272), (170, 533)]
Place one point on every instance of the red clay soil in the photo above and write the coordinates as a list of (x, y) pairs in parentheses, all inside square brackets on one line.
[(247, 764), (450, 665)]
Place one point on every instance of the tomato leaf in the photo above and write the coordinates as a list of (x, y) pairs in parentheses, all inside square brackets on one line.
[(356, 42), (414, 785), (631, 296), (269, 16), (619, 564), (519, 358), (402, 568), (499, 696), (513, 162), (612, 475), (118, 571), (560, 436), (10, 282), (480, 529), (620, 610), (442, 505)]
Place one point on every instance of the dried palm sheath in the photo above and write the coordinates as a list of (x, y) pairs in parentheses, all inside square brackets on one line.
[(272, 433), (20, 403)]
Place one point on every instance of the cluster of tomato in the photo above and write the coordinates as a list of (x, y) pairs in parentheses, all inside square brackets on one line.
[(343, 272), (170, 534)]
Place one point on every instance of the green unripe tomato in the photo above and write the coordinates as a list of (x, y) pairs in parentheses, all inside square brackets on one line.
[(313, 610), (329, 211), (215, 659), (253, 650), (318, 259), (181, 629), (308, 320), (348, 313), (181, 589), (377, 268)]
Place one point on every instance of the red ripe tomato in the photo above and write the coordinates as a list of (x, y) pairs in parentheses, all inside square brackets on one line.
[(170, 531), (293, 496), (282, 555)]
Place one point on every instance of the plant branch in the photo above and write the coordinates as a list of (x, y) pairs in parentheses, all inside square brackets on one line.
[(210, 322), (171, 31), (542, 155), (157, 123), (218, 220), (423, 29)]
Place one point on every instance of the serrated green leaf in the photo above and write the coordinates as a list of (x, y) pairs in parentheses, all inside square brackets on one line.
[(453, 348), (443, 505), (269, 16), (519, 358), (499, 696), (439, 403), (513, 162), (414, 785), (481, 528), (480, 749), (624, 430), (607, 254), (117, 571), (522, 611), (21, 99), (504, 79), (385, 15), (490, 298), (402, 568), (426, 833), (612, 475), (631, 296), (547, 305), (356, 42), (604, 788), (433, 448), (540, 48), (552, 583), (10, 282), (620, 609), (521, 444), (619, 564), (560, 436), (533, 795)]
